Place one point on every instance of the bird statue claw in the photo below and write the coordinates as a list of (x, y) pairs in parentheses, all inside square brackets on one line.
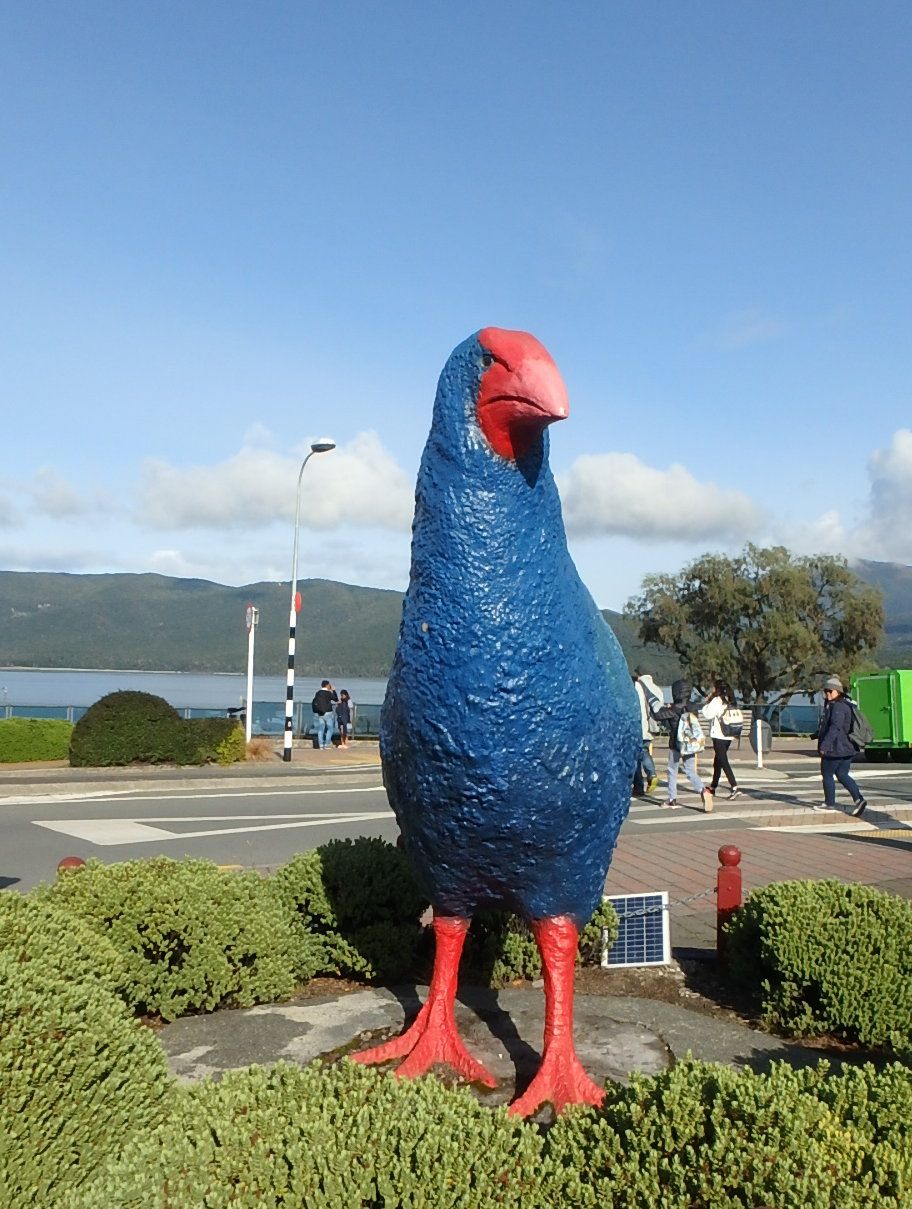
[(559, 1080), (432, 1038)]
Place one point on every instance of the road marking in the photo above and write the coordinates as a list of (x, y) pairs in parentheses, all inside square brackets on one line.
[(107, 832), (165, 795)]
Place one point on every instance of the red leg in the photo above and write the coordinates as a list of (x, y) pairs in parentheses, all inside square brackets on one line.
[(433, 1036), (560, 1078)]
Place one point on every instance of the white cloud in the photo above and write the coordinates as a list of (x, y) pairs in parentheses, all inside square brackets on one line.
[(884, 530), (358, 484), (53, 496), (8, 514), (616, 493), (889, 523)]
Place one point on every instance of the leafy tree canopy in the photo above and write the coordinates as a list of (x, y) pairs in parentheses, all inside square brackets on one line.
[(765, 621)]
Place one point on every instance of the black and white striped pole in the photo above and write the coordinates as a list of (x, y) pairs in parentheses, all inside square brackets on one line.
[(322, 446)]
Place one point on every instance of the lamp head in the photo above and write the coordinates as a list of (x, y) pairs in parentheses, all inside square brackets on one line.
[(324, 445)]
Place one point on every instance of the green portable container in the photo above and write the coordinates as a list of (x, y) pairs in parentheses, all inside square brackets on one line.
[(885, 699)]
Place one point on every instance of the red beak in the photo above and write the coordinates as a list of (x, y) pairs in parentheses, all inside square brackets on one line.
[(521, 391)]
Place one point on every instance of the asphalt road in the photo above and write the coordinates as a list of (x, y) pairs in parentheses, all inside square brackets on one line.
[(232, 825), (265, 825)]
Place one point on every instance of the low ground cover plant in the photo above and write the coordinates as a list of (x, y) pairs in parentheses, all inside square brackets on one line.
[(192, 937), (139, 728), (825, 957), (706, 1135), (78, 1074), (26, 739), (699, 1137)]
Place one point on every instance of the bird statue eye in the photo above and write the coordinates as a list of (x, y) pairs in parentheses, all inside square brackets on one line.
[(487, 359)]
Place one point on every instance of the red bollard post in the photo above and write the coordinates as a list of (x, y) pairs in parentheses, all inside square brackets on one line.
[(728, 893), (70, 862)]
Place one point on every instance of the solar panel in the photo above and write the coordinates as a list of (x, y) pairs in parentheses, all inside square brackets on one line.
[(644, 937)]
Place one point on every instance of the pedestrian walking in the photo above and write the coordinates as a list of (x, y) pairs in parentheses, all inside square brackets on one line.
[(685, 739), (836, 749), (650, 699), (717, 709)]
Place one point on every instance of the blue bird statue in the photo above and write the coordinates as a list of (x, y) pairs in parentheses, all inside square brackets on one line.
[(510, 729)]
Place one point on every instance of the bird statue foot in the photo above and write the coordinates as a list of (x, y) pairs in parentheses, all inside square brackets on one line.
[(433, 1037), (560, 1080)]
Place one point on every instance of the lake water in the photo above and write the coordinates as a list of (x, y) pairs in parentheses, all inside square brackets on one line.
[(183, 690)]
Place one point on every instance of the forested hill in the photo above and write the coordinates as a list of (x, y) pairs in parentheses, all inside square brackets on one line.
[(155, 622)]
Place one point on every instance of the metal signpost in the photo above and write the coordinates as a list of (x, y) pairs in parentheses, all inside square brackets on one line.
[(253, 617)]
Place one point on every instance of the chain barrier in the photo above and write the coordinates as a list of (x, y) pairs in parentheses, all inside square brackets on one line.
[(677, 902)]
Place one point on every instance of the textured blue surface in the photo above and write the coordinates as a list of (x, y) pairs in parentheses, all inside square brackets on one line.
[(510, 728)]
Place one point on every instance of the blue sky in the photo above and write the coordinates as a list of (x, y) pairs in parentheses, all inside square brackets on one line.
[(229, 228)]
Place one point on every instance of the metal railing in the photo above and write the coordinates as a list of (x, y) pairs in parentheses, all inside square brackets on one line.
[(268, 716)]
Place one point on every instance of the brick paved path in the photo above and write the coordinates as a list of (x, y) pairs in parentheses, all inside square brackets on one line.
[(685, 864)]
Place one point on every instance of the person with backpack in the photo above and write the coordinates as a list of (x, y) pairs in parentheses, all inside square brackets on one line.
[(324, 719), (836, 748), (725, 724), (685, 739)]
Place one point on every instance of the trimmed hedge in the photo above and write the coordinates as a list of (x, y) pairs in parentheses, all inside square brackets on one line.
[(78, 1076), (25, 739), (341, 1137), (698, 1137), (355, 909), (139, 728), (707, 1136), (826, 957), (31, 930), (501, 947), (193, 937)]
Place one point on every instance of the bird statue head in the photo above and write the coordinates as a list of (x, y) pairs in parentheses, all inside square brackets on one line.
[(498, 392)]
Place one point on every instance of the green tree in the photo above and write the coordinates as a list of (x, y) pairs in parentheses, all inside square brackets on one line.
[(765, 621)]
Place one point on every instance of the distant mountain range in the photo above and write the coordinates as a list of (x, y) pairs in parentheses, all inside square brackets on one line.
[(158, 623)]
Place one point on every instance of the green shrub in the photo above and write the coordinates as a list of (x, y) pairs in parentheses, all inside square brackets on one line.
[(24, 739), (335, 1138), (710, 1137), (501, 947), (32, 930), (140, 728), (355, 909), (825, 957), (193, 937), (78, 1076), (697, 1137), (233, 748), (125, 728)]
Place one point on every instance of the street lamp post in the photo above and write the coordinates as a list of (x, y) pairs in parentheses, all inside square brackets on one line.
[(322, 446)]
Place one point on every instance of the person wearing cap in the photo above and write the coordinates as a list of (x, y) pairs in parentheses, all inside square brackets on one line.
[(836, 749)]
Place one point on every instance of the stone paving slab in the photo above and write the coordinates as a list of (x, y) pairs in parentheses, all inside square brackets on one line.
[(614, 1036)]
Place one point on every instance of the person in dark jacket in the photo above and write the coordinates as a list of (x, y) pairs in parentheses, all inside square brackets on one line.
[(324, 719), (672, 714), (836, 748)]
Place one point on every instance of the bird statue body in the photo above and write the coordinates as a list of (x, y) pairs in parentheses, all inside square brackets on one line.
[(510, 729)]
